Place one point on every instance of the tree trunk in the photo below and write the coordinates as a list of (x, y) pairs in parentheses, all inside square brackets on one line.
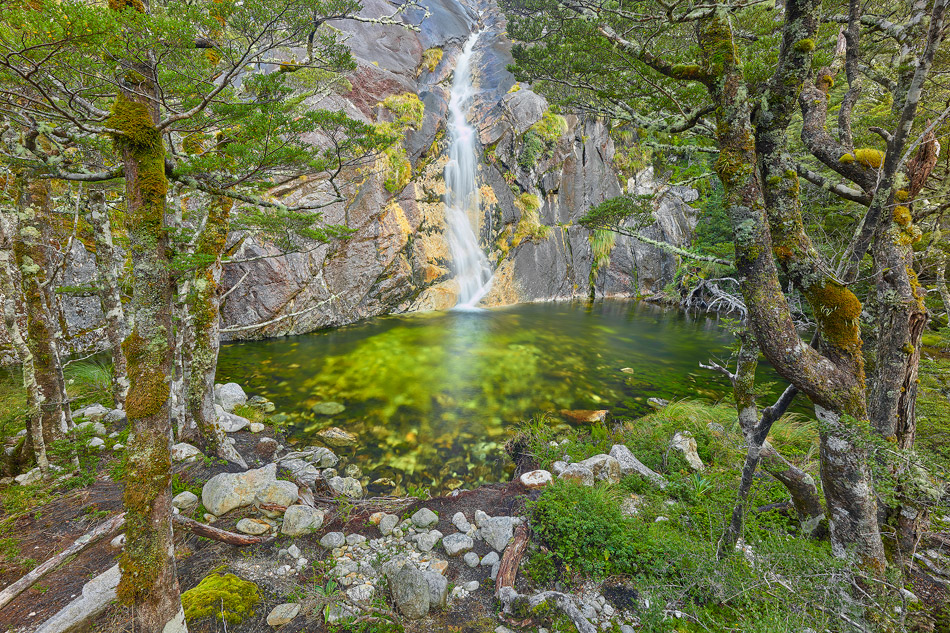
[(800, 485), (12, 299), (30, 250), (941, 280), (108, 285), (206, 335), (149, 582)]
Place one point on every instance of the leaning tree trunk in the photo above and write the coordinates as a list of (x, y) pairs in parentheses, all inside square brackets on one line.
[(149, 581), (110, 298), (30, 251), (12, 297), (206, 333)]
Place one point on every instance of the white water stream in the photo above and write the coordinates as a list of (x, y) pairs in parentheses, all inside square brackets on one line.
[(469, 262)]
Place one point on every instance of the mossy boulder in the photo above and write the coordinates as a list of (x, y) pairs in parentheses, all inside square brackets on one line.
[(222, 597)]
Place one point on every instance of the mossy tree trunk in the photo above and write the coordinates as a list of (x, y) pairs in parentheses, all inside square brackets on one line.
[(833, 375), (110, 298), (30, 248), (149, 581), (11, 294), (205, 302)]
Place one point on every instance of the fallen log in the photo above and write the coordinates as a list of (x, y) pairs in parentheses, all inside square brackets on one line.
[(217, 534), (81, 543), (511, 559), (113, 525)]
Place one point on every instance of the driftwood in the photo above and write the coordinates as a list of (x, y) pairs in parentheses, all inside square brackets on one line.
[(81, 543), (217, 534), (511, 559)]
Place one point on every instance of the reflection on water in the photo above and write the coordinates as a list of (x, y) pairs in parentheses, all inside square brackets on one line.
[(433, 397)]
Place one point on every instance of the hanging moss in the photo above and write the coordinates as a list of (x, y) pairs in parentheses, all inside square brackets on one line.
[(219, 596), (837, 311)]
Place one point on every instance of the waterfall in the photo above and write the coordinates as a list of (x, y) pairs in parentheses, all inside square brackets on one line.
[(468, 261)]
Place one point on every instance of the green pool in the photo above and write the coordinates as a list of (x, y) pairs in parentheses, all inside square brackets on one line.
[(433, 397)]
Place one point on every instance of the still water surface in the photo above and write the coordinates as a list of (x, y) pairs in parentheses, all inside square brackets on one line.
[(433, 397)]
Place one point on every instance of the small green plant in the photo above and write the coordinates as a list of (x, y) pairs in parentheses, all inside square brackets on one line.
[(431, 58), (540, 567), (418, 491)]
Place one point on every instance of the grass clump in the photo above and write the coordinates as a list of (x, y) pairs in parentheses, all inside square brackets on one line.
[(221, 596), (529, 227)]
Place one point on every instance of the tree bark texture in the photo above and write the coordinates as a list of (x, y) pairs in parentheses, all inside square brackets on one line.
[(149, 581)]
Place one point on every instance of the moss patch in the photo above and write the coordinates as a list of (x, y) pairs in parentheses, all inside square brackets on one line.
[(225, 597)]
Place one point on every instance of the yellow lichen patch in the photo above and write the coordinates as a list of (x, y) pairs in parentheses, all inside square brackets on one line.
[(431, 58), (901, 195), (504, 288), (514, 88), (408, 109), (902, 215), (869, 157), (838, 311), (398, 217)]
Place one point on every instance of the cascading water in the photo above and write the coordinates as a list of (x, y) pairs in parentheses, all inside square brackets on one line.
[(471, 266)]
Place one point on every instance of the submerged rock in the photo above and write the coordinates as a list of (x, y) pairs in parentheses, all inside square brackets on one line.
[(337, 437), (346, 486), (328, 408), (585, 415)]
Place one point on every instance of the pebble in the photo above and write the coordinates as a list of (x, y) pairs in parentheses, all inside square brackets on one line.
[(294, 551), (470, 586), (252, 527), (471, 559), (490, 559), (460, 522), (425, 518)]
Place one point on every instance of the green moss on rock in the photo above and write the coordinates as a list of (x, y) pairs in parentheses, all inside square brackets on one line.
[(218, 596)]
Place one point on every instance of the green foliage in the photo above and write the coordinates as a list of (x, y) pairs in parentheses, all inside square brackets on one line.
[(397, 170), (408, 109), (431, 58), (531, 151), (89, 382), (612, 213), (225, 597), (550, 127), (540, 567), (586, 532)]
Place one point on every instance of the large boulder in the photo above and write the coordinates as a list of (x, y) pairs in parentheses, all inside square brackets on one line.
[(280, 492), (337, 437), (226, 491), (630, 465), (685, 443), (411, 592), (604, 467), (300, 520), (230, 396), (577, 473)]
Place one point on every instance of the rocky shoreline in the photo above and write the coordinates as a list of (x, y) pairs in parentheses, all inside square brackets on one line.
[(401, 551)]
